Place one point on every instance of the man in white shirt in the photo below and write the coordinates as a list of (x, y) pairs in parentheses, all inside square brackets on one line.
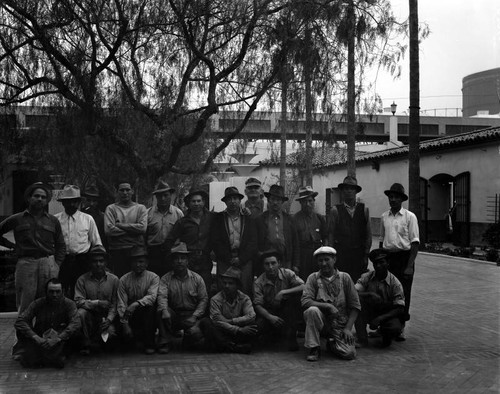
[(80, 234), (399, 235)]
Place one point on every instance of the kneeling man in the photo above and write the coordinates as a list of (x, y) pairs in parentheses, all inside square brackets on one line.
[(277, 299), (182, 301), (45, 327), (382, 300), (332, 306)]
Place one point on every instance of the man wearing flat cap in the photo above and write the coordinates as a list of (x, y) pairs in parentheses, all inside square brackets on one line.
[(39, 245), (350, 230), (234, 239), (276, 230), (182, 302), (399, 235), (80, 234), (254, 203), (125, 224), (382, 300), (194, 230), (331, 306), (311, 228), (162, 217), (137, 293), (96, 294), (231, 326)]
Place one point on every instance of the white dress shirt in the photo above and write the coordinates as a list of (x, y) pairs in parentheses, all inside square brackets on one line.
[(79, 231)]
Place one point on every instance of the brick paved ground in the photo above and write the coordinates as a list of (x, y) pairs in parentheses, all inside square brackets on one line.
[(453, 346)]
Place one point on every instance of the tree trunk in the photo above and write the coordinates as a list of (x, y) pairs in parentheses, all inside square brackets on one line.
[(309, 105), (414, 130), (351, 93), (283, 125)]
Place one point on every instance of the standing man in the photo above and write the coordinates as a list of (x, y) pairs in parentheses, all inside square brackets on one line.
[(350, 230), (399, 235), (331, 305), (80, 234), (161, 220), (125, 225), (254, 203), (39, 245), (91, 208), (137, 293), (96, 299), (276, 230), (45, 327), (182, 302), (311, 229), (234, 239), (194, 230)]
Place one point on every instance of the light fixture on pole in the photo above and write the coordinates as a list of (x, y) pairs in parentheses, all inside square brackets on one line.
[(393, 108)]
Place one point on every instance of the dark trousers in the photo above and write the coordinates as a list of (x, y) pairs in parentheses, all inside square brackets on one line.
[(91, 322), (159, 261), (202, 265), (290, 311), (307, 263), (192, 333), (389, 328), (33, 355), (71, 268), (351, 260), (119, 261), (398, 261), (143, 326), (219, 340)]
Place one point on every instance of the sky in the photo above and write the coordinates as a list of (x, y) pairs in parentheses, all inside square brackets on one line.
[(464, 39)]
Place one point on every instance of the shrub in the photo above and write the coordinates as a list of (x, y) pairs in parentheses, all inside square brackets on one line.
[(492, 235)]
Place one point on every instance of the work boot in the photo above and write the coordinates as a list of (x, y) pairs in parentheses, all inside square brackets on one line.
[(314, 354)]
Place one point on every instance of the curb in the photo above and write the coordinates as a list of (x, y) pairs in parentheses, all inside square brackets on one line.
[(467, 259)]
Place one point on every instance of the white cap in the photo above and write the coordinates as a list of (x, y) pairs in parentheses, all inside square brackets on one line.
[(325, 250)]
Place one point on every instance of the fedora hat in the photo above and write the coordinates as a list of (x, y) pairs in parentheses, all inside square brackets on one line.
[(276, 191), (233, 273), (163, 186), (91, 191), (195, 192), (252, 182), (306, 191), (98, 250), (38, 185), (69, 192), (179, 248), (350, 181), (378, 254), (232, 191), (397, 188)]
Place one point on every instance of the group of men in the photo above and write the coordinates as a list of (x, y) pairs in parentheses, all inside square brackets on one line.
[(275, 272)]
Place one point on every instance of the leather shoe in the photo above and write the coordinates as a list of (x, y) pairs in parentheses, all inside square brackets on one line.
[(149, 351), (165, 349), (314, 354)]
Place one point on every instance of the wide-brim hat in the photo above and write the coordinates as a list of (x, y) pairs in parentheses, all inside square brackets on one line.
[(253, 182), (38, 185), (91, 191), (194, 192), (350, 181), (162, 187), (179, 248), (233, 273), (276, 191), (232, 191), (397, 188), (98, 250), (270, 253), (306, 191), (69, 192), (378, 254), (138, 251), (325, 250)]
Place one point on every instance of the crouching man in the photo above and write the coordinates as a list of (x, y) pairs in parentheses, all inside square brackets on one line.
[(96, 298), (45, 327), (277, 299), (231, 326), (332, 306), (137, 294), (382, 301), (182, 301)]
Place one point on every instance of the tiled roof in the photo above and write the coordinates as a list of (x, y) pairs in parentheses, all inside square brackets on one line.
[(322, 157), (337, 156)]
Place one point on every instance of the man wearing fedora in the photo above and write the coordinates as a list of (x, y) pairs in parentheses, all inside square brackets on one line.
[(231, 326), (80, 234), (234, 239), (399, 235), (137, 293), (125, 224), (194, 230), (161, 219), (91, 207), (39, 245), (182, 302), (382, 300), (350, 230), (311, 228), (96, 299), (276, 230), (254, 203)]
